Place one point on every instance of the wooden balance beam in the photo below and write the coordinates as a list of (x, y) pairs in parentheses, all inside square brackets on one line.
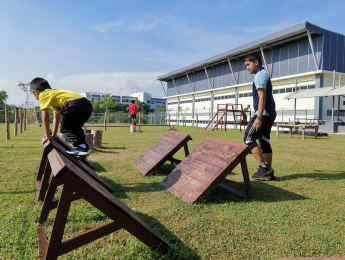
[(161, 152), (304, 127), (79, 185), (194, 179), (44, 172)]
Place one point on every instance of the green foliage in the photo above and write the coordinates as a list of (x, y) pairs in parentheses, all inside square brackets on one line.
[(3, 98), (109, 103), (299, 215), (143, 107), (160, 109), (25, 87)]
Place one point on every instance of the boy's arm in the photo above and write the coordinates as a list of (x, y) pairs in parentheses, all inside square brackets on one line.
[(46, 124), (56, 121), (261, 107)]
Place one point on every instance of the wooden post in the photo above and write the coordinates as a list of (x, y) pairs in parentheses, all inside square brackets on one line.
[(7, 121), (196, 122), (21, 119), (169, 121), (24, 119), (105, 121), (16, 121), (139, 122)]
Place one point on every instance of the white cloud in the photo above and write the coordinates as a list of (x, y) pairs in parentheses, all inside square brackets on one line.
[(117, 83), (130, 23)]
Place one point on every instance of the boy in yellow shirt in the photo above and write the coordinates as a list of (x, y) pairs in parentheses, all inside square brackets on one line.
[(75, 110)]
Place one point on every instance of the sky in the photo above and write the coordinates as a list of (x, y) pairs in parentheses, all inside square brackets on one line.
[(121, 47)]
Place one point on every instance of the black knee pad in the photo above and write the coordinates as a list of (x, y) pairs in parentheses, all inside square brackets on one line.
[(252, 145), (265, 146)]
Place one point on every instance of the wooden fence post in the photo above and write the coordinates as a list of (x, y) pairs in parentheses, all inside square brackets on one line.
[(139, 122), (16, 121), (21, 119), (105, 121), (24, 119), (196, 122), (169, 121), (7, 121)]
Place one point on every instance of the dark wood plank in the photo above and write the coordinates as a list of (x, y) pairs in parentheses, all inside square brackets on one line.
[(162, 151), (205, 168), (78, 184)]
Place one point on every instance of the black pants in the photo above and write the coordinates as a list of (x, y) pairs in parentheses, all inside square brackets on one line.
[(74, 116), (263, 135)]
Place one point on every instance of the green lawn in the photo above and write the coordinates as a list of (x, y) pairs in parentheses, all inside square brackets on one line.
[(301, 214)]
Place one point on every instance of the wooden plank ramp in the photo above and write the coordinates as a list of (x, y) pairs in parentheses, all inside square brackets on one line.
[(162, 151), (79, 185), (206, 168), (44, 172)]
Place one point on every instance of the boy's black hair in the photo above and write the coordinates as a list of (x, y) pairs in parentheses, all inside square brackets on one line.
[(133, 101), (253, 58), (39, 84)]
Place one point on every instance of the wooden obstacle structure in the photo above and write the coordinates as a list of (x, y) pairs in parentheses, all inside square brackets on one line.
[(77, 184), (205, 168), (162, 151), (44, 172), (221, 117), (303, 126)]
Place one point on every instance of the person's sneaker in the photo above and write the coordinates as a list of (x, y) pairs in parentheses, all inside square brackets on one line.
[(79, 151), (264, 174)]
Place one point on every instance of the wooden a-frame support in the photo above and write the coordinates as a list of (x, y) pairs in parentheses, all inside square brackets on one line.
[(44, 172), (78, 185), (195, 178), (162, 151)]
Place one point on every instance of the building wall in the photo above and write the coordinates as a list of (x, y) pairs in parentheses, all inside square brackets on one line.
[(292, 58)]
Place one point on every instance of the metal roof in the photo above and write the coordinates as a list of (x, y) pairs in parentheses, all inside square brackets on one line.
[(317, 92), (286, 35)]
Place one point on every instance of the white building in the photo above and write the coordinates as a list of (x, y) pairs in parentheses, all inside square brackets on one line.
[(141, 96), (301, 57)]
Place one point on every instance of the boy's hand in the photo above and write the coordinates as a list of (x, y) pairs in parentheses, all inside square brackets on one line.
[(46, 138)]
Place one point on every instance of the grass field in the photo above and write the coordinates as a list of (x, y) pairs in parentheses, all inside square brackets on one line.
[(301, 214)]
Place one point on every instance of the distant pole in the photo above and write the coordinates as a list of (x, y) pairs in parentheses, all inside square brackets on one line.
[(16, 121), (25, 119), (105, 121), (339, 99), (7, 120), (21, 119), (196, 124), (169, 121), (139, 122)]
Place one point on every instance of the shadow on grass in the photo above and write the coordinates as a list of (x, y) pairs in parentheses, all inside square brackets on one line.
[(178, 250), (121, 190), (98, 167), (164, 170), (317, 175), (18, 192), (262, 191)]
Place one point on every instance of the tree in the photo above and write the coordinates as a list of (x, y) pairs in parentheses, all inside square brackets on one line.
[(25, 87), (145, 108), (160, 109), (3, 98), (109, 103)]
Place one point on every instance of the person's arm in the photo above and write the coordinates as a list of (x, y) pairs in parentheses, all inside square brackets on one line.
[(46, 124), (56, 121), (261, 107)]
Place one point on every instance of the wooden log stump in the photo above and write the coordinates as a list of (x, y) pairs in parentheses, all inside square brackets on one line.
[(89, 140), (97, 138)]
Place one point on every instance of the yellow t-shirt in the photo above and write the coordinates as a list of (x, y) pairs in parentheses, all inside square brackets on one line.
[(57, 99)]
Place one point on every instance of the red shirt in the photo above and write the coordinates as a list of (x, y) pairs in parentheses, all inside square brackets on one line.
[(133, 109)]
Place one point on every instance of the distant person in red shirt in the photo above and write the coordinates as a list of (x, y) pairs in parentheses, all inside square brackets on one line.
[(133, 110)]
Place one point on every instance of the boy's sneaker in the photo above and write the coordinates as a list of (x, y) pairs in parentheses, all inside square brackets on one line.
[(79, 151), (264, 174)]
